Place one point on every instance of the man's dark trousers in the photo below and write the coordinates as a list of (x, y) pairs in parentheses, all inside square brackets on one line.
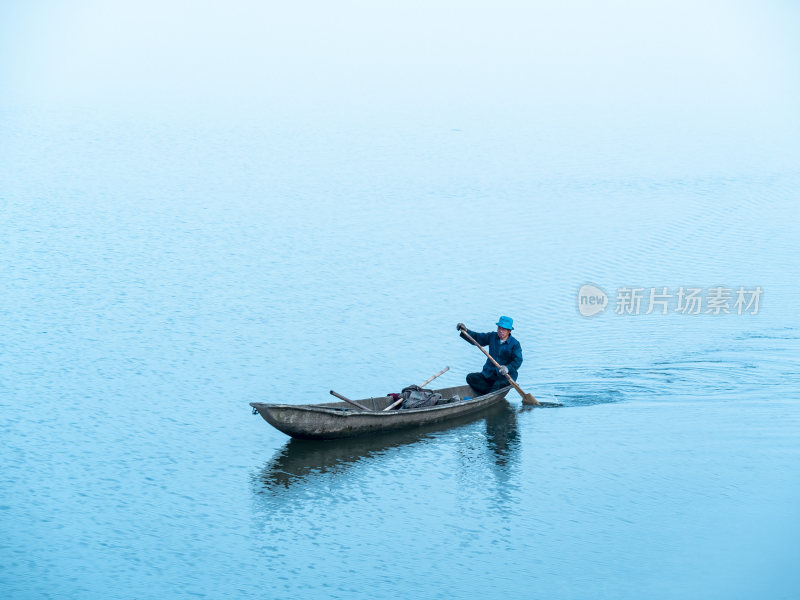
[(483, 385)]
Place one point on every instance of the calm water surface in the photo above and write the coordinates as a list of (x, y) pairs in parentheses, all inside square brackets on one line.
[(159, 275)]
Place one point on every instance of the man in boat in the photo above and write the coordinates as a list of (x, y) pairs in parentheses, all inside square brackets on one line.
[(504, 348)]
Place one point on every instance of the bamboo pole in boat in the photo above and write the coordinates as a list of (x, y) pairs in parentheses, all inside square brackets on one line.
[(353, 402)]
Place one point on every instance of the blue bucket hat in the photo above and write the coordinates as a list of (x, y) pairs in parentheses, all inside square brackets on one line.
[(506, 323)]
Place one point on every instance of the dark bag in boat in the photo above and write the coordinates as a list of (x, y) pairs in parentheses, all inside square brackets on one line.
[(416, 397)]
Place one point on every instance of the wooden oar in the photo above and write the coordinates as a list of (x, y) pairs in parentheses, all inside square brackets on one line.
[(442, 372), (391, 406), (353, 402), (526, 398)]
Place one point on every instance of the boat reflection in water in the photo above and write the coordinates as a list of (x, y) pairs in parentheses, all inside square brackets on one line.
[(300, 461)]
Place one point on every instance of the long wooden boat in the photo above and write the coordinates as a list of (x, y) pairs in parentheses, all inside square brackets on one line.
[(297, 462), (334, 420)]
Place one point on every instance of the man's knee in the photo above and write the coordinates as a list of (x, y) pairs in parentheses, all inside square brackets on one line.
[(479, 383)]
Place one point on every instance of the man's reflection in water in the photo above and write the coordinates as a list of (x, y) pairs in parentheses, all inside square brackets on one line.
[(503, 443), (502, 435)]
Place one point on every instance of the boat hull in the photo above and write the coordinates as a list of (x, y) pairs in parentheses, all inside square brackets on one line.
[(335, 420)]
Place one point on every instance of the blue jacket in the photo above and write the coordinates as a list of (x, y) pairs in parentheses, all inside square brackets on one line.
[(508, 354)]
